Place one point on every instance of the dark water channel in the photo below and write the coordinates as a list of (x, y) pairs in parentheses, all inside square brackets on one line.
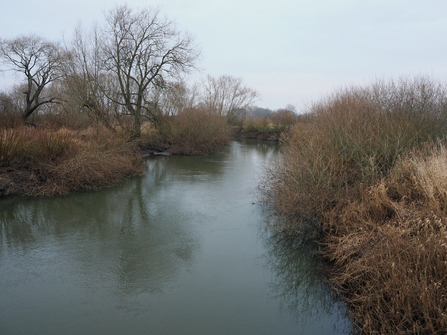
[(181, 250)]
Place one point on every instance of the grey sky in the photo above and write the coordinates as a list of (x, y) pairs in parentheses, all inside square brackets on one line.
[(291, 51)]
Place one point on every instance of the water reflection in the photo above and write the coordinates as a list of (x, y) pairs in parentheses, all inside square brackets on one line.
[(300, 284), (174, 252), (117, 233)]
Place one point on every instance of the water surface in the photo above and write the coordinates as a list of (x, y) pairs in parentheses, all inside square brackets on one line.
[(181, 250)]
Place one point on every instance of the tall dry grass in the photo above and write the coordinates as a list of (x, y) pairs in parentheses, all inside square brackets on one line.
[(39, 161), (101, 159), (31, 143), (390, 248), (367, 174)]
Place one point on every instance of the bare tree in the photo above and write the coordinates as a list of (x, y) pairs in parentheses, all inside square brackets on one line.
[(175, 97), (39, 60), (226, 96), (143, 51), (85, 80)]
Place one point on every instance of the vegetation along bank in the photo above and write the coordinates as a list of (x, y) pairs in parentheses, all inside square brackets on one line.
[(365, 174), (88, 110), (363, 171)]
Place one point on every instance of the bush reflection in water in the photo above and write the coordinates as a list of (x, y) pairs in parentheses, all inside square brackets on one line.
[(300, 284)]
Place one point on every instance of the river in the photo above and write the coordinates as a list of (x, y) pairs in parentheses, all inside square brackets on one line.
[(180, 250)]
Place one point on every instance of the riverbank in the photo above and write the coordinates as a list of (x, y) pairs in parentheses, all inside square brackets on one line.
[(44, 162), (365, 174), (52, 159), (268, 128)]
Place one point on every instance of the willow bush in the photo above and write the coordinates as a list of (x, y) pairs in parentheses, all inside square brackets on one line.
[(194, 131), (367, 173), (352, 140)]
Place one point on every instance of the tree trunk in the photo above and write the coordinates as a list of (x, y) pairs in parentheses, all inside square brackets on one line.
[(136, 125)]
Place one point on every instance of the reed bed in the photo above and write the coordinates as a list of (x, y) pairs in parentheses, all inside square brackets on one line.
[(39, 161), (32, 143), (367, 174), (389, 249)]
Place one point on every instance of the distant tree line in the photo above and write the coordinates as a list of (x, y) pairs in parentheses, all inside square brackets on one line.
[(259, 112)]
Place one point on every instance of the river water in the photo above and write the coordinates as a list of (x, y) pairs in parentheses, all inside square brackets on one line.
[(181, 250)]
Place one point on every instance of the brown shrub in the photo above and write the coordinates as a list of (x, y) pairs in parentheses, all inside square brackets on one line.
[(195, 132), (361, 174), (100, 162), (351, 141)]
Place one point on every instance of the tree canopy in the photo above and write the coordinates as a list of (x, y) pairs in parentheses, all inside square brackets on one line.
[(39, 61)]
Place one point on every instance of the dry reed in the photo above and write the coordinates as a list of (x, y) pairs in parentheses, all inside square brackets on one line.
[(38, 161), (361, 172)]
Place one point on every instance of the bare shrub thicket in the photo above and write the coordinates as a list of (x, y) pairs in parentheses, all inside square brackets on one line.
[(194, 131), (362, 173), (197, 131), (352, 138), (9, 112)]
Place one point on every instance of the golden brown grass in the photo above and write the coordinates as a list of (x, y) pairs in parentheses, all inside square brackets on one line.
[(390, 249), (362, 174), (101, 160), (29, 142), (39, 161)]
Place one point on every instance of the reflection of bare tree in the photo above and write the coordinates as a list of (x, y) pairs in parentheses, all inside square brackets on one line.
[(15, 229), (127, 236), (104, 256), (133, 208), (300, 284)]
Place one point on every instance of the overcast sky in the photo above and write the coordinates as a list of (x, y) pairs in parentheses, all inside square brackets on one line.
[(290, 51)]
